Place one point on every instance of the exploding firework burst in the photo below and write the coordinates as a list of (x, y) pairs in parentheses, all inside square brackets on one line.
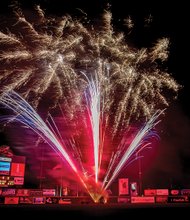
[(97, 78), (51, 54)]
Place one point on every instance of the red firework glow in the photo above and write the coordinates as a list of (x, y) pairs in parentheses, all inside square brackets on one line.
[(76, 151)]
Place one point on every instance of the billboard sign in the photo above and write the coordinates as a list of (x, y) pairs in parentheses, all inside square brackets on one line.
[(11, 200), (25, 200), (123, 186), (175, 192), (144, 199), (48, 192), (124, 200), (38, 200), (5, 167), (17, 169), (36, 193), (162, 192), (149, 192), (52, 200), (18, 180), (6, 159), (161, 199), (64, 201), (22, 192), (8, 192), (185, 192), (178, 199)]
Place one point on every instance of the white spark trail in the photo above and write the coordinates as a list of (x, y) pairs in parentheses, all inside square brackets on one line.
[(135, 145), (93, 105)]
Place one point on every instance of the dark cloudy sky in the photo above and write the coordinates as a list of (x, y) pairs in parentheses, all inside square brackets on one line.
[(169, 163)]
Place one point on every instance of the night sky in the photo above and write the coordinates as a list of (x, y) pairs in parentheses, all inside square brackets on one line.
[(168, 163)]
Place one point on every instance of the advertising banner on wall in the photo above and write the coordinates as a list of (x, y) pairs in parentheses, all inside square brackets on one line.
[(48, 192), (178, 199), (39, 200), (185, 192), (22, 192), (8, 192), (124, 199), (34, 192), (162, 192), (64, 201), (144, 199), (5, 167), (17, 169), (18, 181), (25, 200), (161, 199), (11, 200), (150, 192), (52, 200), (123, 186)]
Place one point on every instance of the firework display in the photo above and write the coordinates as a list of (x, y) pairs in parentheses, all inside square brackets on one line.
[(109, 94)]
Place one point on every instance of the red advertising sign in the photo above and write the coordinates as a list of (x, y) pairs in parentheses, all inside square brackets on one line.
[(22, 192), (144, 199), (17, 169), (123, 186), (48, 192), (161, 199), (11, 200), (25, 200), (124, 200), (162, 192), (175, 192), (64, 201), (149, 192), (36, 192), (18, 180)]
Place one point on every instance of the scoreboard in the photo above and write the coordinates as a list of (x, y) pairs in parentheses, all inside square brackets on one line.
[(12, 171)]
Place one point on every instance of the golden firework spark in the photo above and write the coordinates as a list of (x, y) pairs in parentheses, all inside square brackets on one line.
[(52, 55)]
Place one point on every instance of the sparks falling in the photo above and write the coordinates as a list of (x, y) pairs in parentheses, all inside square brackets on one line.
[(136, 145), (98, 79), (93, 104), (51, 54), (25, 114)]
